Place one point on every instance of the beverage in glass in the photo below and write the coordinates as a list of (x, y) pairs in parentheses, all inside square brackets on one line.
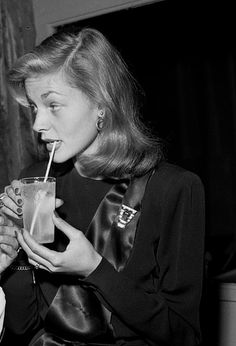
[(38, 207)]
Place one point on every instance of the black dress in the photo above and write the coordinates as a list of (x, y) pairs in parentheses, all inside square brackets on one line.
[(155, 299)]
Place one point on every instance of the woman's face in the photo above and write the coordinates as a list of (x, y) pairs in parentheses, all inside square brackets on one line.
[(63, 114)]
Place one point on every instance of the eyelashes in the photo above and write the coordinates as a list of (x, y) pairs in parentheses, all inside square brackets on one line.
[(33, 108), (54, 107)]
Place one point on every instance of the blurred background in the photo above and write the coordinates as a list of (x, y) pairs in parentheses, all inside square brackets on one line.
[(184, 57)]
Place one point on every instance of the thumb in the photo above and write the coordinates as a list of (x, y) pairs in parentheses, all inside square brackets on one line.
[(63, 226), (59, 202)]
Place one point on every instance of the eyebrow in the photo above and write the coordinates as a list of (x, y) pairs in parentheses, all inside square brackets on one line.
[(45, 95)]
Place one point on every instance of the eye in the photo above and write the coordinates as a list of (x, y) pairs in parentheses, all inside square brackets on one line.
[(54, 107), (33, 108)]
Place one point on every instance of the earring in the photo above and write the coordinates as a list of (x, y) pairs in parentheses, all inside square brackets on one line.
[(99, 123)]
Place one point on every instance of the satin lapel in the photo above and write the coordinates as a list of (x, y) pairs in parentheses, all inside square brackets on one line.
[(100, 227), (120, 240), (76, 312)]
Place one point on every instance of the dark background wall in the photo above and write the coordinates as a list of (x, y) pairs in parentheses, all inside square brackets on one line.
[(183, 55)]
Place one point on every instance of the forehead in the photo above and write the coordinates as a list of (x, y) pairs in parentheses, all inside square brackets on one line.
[(57, 82)]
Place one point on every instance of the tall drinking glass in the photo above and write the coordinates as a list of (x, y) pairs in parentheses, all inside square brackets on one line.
[(38, 207)]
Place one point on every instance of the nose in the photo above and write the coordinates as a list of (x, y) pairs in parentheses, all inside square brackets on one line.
[(41, 123)]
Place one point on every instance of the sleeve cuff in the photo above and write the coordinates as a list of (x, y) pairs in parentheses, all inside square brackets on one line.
[(98, 278)]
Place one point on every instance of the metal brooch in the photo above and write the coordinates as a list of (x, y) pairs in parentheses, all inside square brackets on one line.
[(126, 214)]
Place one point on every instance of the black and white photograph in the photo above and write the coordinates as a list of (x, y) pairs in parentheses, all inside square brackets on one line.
[(117, 173)]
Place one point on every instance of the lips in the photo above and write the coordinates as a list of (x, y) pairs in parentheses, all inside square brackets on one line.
[(49, 144)]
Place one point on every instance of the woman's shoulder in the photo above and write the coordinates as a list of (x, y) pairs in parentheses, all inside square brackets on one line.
[(171, 176)]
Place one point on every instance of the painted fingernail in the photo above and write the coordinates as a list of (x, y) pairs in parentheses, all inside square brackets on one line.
[(17, 190), (19, 210), (19, 201), (56, 214), (19, 231)]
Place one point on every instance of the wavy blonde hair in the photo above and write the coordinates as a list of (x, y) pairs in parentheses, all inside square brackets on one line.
[(92, 64)]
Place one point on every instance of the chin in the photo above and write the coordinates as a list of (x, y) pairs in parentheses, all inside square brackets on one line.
[(60, 157), (59, 160)]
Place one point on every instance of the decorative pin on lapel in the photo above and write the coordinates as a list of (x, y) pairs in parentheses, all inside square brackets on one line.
[(126, 214)]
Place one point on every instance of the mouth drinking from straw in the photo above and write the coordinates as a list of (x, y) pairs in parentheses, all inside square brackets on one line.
[(42, 194)]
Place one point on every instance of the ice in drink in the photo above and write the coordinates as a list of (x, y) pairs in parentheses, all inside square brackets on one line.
[(39, 203)]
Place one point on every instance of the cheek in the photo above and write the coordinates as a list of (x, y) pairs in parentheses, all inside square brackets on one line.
[(80, 136), (80, 130), (78, 126)]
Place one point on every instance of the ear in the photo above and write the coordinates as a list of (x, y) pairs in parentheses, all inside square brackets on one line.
[(101, 113), (99, 123)]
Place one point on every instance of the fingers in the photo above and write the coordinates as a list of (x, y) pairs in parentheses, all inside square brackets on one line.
[(37, 265), (5, 221), (13, 192), (10, 241), (16, 186), (8, 237), (9, 191), (12, 201), (14, 214), (33, 258), (7, 249), (36, 252), (63, 226), (8, 230)]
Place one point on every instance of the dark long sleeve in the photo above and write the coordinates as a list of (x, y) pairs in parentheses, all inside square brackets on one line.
[(155, 299), (157, 296)]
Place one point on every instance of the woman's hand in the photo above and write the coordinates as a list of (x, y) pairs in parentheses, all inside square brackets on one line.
[(79, 258), (8, 242), (11, 201)]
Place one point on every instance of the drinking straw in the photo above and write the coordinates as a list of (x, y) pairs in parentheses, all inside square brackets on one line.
[(42, 195), (49, 162)]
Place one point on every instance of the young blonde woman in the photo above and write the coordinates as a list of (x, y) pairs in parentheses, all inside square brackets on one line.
[(126, 264)]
